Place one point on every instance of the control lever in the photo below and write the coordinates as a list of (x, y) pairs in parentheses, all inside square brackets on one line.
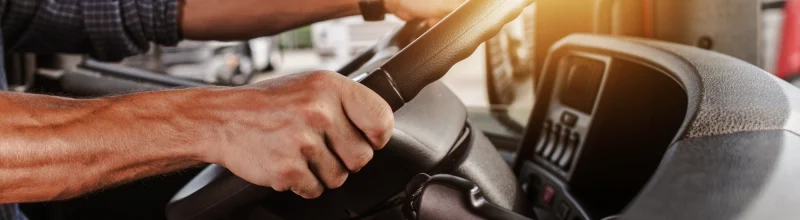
[(444, 197)]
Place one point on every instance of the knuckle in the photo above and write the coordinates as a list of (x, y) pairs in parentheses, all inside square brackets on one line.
[(309, 151), (304, 142), (381, 130), (318, 115), (360, 160), (375, 132), (289, 175), (386, 116), (321, 79)]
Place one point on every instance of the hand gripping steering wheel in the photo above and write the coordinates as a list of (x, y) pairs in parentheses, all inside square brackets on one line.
[(216, 192)]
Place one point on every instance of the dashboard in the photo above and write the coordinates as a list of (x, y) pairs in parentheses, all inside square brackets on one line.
[(596, 117), (599, 118)]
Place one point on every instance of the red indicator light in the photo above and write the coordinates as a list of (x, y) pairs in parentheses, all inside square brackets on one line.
[(547, 195)]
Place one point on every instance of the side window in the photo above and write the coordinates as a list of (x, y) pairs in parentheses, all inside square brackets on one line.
[(509, 71)]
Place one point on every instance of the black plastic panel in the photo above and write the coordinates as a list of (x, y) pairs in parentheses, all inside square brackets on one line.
[(580, 83), (94, 85), (449, 197), (485, 168), (639, 113), (549, 195)]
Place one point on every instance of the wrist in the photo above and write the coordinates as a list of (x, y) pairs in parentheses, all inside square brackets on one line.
[(165, 123), (208, 111)]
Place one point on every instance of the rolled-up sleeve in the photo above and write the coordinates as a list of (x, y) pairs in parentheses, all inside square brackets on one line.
[(105, 29)]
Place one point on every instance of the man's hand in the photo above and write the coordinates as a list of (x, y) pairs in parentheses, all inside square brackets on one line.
[(421, 9), (303, 132)]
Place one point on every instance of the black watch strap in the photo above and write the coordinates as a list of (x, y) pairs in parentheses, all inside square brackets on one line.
[(372, 10)]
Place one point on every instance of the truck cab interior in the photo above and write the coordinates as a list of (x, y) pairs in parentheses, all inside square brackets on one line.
[(629, 121)]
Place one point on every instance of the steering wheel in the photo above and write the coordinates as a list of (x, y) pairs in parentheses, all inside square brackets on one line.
[(426, 139)]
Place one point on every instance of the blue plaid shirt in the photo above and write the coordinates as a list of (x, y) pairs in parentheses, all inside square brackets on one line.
[(105, 29)]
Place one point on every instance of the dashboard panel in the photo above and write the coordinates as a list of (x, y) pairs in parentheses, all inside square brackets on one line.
[(597, 117)]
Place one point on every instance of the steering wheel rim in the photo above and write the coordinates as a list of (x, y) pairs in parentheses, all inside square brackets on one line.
[(398, 81), (427, 58)]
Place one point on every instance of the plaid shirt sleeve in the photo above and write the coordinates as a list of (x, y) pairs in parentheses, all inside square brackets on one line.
[(105, 29)]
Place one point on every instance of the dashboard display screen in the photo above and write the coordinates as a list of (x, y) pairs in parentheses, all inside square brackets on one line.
[(581, 83)]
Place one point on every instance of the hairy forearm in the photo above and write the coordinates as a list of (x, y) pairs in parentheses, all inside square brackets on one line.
[(244, 19), (55, 148)]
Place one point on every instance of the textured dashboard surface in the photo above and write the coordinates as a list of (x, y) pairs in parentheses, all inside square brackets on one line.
[(753, 177), (735, 96), (726, 95)]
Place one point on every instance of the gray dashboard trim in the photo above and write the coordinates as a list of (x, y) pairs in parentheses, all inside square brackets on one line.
[(753, 177), (726, 95)]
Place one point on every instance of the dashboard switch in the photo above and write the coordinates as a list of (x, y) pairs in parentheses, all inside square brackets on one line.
[(569, 119), (563, 210), (555, 137), (561, 146), (569, 151), (547, 194), (544, 137)]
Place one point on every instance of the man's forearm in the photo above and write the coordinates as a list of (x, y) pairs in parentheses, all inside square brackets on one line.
[(244, 19), (56, 148), (294, 133)]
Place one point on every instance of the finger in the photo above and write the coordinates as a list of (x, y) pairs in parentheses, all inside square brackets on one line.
[(297, 174), (307, 185), (326, 166), (349, 144), (368, 112)]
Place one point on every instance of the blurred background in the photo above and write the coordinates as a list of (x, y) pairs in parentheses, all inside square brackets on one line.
[(331, 44), (327, 45)]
